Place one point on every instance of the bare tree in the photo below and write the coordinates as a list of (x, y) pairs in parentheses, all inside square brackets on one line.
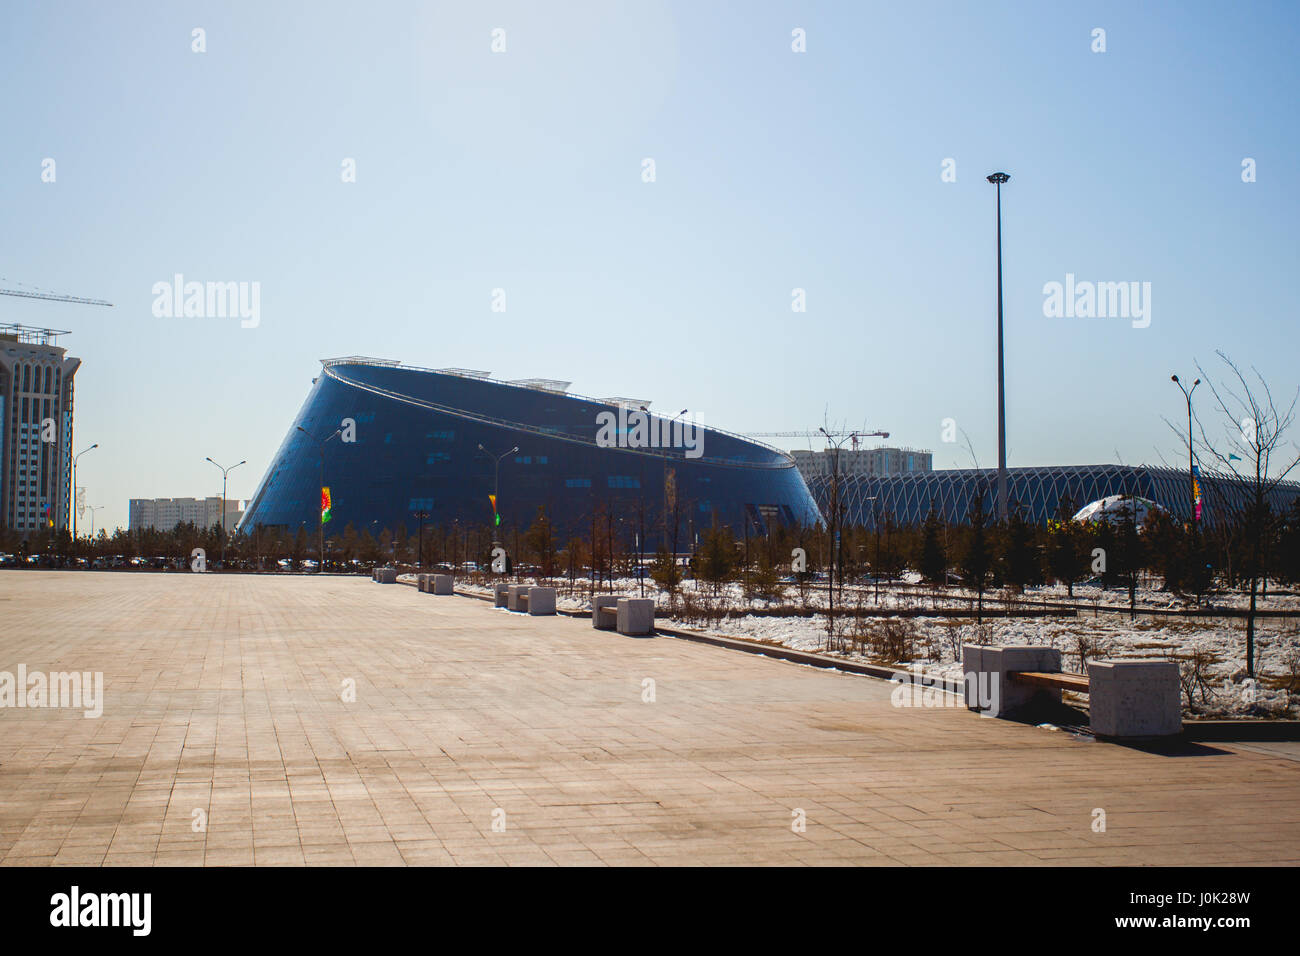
[(1252, 452)]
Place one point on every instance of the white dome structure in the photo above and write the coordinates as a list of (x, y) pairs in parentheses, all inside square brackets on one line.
[(1117, 508)]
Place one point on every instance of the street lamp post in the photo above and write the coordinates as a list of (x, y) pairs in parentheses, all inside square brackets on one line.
[(420, 546), (875, 562), (997, 179), (72, 509), (875, 520), (92, 511), (1191, 467), (320, 518), (496, 482), (672, 421), (836, 553), (834, 523), (224, 533)]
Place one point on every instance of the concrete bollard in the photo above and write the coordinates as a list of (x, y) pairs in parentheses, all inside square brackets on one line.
[(1134, 698), (443, 584), (601, 620), (500, 595), (636, 615), (422, 582), (541, 601), (386, 575)]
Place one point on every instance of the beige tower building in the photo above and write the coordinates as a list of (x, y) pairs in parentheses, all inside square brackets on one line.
[(36, 431)]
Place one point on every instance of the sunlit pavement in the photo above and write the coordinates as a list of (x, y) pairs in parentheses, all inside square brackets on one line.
[(478, 736)]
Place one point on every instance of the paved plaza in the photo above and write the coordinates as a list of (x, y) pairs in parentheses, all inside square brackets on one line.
[(474, 736)]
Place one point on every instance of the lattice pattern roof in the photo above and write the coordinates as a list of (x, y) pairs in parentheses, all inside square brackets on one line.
[(1038, 492)]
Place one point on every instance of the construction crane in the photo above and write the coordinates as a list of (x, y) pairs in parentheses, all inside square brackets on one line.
[(50, 296), (41, 336)]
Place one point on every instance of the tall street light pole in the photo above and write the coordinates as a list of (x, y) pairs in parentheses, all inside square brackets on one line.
[(224, 533), (834, 525), (997, 179), (72, 509), (92, 511), (320, 518), (854, 437), (1191, 466), (837, 554), (875, 562), (496, 483), (420, 547), (671, 422)]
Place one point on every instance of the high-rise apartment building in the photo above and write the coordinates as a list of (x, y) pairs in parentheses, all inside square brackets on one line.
[(35, 429)]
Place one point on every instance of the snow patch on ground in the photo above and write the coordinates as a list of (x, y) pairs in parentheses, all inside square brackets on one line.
[(934, 643)]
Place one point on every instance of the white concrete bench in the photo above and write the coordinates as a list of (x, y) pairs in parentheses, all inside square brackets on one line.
[(541, 601), (604, 612), (1125, 698), (989, 687), (636, 616), (517, 597), (442, 584), (500, 595), (631, 616), (422, 582), (1134, 699), (386, 575)]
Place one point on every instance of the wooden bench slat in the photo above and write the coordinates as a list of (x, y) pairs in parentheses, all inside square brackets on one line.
[(1074, 682)]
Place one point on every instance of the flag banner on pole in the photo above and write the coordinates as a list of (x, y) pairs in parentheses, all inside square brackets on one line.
[(325, 504), (496, 518), (1196, 490)]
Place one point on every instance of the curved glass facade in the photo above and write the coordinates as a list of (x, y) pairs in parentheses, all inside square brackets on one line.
[(1037, 492), (416, 448)]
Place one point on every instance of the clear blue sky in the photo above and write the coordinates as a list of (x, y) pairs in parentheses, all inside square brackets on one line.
[(775, 170)]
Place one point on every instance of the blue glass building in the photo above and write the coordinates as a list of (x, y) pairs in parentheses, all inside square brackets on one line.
[(410, 442)]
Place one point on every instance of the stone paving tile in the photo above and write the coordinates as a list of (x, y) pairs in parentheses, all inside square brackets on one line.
[(225, 694)]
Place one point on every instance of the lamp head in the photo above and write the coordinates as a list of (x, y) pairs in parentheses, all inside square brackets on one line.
[(1173, 378), (998, 178)]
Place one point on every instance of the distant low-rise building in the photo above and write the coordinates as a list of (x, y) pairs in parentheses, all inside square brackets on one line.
[(863, 461), (164, 514)]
